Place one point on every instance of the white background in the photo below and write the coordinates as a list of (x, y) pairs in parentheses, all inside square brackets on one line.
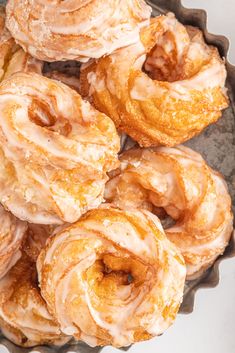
[(221, 20), (211, 327)]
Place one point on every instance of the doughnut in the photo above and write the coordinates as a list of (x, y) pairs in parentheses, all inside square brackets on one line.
[(177, 182), (24, 318), (55, 150), (12, 235), (112, 278), (12, 57), (163, 90), (53, 30)]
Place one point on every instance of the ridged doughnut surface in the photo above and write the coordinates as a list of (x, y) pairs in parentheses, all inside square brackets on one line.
[(12, 235), (24, 318), (112, 277), (12, 57), (55, 150), (180, 182), (75, 29), (163, 90)]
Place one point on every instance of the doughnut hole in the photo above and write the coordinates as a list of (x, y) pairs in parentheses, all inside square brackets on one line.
[(161, 62), (180, 52)]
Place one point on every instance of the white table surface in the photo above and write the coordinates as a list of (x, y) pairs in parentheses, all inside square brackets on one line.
[(211, 327)]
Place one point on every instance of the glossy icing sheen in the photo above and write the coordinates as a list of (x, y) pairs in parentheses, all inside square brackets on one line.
[(178, 181), (12, 236), (55, 150), (85, 270), (164, 89), (62, 30), (12, 57)]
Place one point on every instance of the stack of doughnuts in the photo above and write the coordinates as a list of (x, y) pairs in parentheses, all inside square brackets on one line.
[(96, 244)]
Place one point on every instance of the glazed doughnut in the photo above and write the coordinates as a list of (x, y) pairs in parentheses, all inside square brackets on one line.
[(178, 181), (164, 89), (112, 277), (12, 236), (24, 318), (12, 57), (53, 30), (55, 150)]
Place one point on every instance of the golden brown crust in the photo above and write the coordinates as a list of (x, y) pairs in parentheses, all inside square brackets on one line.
[(24, 317), (12, 58), (12, 237), (37, 235), (163, 90)]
